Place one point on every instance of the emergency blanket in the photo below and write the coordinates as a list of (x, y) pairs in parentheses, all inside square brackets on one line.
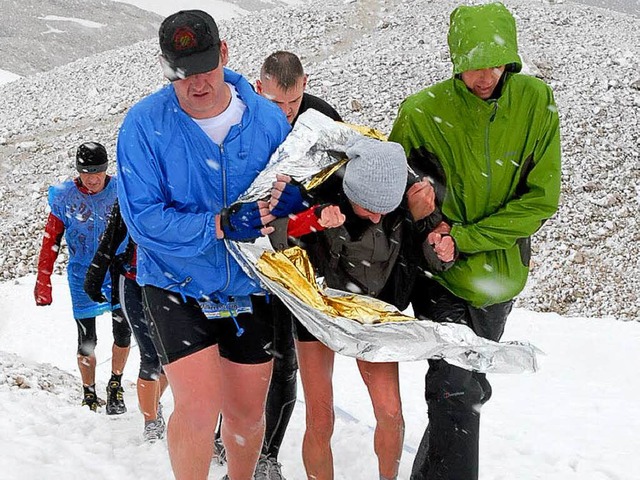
[(348, 323)]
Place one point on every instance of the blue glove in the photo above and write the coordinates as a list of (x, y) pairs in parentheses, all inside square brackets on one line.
[(241, 222), (293, 199)]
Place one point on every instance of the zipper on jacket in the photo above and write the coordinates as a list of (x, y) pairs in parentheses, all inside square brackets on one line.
[(224, 204), (487, 149)]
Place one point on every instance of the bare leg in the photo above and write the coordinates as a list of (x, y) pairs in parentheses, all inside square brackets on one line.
[(149, 394), (382, 383), (87, 367), (195, 383), (148, 398), (316, 371), (119, 357), (163, 383), (244, 394)]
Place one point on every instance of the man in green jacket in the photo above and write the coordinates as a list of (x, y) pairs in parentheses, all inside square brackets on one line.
[(489, 140)]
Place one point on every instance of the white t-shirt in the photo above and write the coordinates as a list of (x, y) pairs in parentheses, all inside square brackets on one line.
[(218, 127)]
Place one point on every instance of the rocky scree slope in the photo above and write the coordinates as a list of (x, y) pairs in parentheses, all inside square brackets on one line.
[(38, 35), (365, 57)]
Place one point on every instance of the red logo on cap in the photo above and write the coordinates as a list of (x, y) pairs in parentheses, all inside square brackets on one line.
[(184, 38)]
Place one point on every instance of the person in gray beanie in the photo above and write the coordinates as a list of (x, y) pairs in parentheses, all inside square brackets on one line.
[(355, 228), (375, 176)]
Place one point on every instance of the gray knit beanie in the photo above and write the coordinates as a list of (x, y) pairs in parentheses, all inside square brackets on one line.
[(376, 174)]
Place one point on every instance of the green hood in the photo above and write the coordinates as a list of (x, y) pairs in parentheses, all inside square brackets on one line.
[(483, 36)]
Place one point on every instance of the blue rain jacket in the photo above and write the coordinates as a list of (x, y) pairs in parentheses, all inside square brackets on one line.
[(84, 217), (173, 180)]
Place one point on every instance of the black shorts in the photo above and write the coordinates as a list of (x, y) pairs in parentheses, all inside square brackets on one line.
[(301, 333), (284, 349), (178, 328)]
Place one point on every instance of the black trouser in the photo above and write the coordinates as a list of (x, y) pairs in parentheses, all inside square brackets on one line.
[(449, 447), (282, 395)]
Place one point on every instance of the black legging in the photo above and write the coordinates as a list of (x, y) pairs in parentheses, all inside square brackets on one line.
[(131, 301), (282, 395), (88, 339)]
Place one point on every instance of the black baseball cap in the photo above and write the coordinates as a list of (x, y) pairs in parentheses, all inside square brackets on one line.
[(190, 44), (91, 157)]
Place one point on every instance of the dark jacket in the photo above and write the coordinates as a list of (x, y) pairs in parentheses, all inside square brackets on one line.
[(359, 257), (311, 101)]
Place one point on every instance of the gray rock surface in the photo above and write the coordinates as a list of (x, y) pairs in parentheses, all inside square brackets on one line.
[(37, 35), (364, 57)]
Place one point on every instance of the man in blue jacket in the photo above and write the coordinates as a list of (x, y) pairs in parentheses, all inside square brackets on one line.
[(185, 154)]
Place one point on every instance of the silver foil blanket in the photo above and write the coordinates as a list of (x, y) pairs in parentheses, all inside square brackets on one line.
[(312, 146)]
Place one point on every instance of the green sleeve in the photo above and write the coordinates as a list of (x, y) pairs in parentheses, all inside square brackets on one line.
[(522, 216)]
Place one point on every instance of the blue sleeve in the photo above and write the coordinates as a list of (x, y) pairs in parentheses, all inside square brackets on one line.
[(152, 222)]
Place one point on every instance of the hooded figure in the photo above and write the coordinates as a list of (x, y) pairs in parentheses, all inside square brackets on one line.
[(489, 139), (495, 162), (483, 36)]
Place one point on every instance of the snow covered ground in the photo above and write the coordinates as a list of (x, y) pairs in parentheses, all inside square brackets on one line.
[(577, 418), (6, 77)]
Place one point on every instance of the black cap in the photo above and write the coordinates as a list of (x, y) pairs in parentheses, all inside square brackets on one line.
[(91, 157), (190, 44)]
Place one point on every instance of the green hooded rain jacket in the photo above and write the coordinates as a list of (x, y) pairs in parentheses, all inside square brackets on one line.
[(496, 163)]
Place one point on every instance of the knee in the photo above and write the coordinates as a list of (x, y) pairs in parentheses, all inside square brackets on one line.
[(453, 387), (243, 426), (150, 368), (195, 414), (389, 411), (284, 369), (122, 342), (121, 332), (320, 421), (245, 416), (87, 347)]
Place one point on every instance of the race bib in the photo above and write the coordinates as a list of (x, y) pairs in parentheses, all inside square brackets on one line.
[(234, 307)]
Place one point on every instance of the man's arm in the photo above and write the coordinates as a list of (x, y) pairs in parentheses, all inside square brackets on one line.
[(152, 222), (114, 234), (536, 197), (53, 231)]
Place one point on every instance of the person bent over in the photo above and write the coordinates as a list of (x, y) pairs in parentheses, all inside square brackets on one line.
[(353, 234)]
